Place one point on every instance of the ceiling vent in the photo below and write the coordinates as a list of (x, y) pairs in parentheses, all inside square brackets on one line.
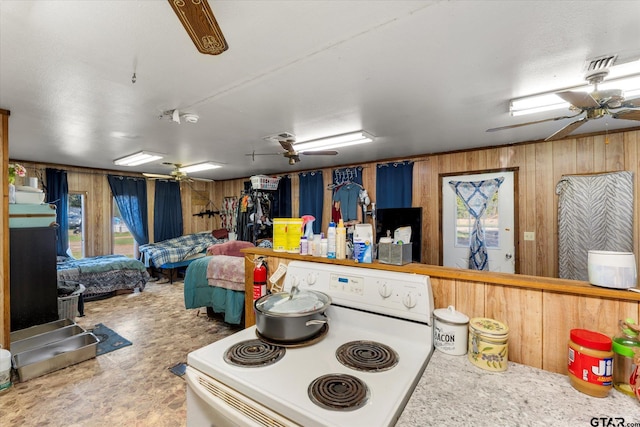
[(596, 69)]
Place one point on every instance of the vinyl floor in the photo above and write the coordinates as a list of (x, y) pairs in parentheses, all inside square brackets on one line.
[(131, 386)]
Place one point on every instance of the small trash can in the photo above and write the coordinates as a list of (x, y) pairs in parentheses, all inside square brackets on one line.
[(71, 305)]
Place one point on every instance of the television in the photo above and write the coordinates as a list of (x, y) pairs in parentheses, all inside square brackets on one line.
[(392, 218)]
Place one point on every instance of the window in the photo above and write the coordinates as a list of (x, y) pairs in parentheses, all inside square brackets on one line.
[(123, 242), (464, 223), (76, 231)]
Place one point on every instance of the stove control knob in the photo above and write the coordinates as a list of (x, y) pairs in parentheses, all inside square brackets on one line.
[(312, 278), (385, 290), (409, 300)]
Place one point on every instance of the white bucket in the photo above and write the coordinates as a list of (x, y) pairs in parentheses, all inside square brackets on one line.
[(612, 269), (5, 369)]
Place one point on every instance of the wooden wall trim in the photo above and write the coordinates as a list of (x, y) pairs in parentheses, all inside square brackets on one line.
[(5, 303)]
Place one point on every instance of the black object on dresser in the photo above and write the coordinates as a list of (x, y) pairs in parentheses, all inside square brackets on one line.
[(34, 283)]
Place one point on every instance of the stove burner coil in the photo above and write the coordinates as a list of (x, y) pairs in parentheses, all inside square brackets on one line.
[(367, 356), (253, 353), (338, 392)]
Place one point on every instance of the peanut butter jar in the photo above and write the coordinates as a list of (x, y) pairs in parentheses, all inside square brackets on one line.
[(590, 367)]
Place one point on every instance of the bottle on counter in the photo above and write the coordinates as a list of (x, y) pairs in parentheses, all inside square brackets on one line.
[(323, 247), (623, 354), (341, 241), (331, 241), (304, 246)]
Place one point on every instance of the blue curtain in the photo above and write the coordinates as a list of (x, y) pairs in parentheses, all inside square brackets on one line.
[(312, 197), (130, 194), (282, 200), (167, 211), (394, 185), (58, 194)]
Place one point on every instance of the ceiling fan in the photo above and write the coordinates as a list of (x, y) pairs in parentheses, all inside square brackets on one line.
[(176, 174), (593, 105), (287, 141), (197, 18)]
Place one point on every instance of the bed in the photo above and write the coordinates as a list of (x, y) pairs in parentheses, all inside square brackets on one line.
[(217, 280), (177, 250), (103, 275)]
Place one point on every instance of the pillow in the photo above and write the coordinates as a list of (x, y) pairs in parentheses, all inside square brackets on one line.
[(220, 233)]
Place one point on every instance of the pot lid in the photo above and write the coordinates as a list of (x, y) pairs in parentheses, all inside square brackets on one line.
[(487, 326), (450, 315), (301, 302)]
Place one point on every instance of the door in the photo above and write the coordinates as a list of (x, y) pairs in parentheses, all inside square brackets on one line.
[(498, 222)]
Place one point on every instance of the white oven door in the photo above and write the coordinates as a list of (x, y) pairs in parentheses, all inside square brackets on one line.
[(211, 403)]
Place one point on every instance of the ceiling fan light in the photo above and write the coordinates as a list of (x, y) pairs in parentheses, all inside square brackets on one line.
[(200, 167), (547, 101), (138, 158), (344, 140)]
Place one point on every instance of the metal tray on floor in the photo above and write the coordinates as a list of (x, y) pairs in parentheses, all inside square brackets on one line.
[(45, 338), (39, 329), (55, 355)]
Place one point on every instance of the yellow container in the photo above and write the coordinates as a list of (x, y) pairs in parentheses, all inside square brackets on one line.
[(294, 233), (488, 344), (280, 234)]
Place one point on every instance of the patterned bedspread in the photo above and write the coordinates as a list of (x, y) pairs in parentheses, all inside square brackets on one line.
[(176, 249), (104, 274)]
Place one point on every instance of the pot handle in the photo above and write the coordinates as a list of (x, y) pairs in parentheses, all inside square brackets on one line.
[(317, 321)]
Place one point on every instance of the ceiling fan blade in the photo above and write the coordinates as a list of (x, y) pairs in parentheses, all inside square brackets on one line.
[(631, 103), (197, 18), (193, 178), (627, 115), (579, 99), (287, 145), (532, 123), (319, 153), (157, 176), (567, 129)]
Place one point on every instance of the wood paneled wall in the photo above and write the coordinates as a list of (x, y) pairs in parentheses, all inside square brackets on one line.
[(539, 165)]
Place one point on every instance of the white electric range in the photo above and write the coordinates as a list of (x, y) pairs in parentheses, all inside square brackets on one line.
[(360, 370)]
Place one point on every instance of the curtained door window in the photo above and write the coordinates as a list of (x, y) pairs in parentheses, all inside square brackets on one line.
[(58, 194), (475, 196), (312, 197), (130, 194), (167, 211), (394, 185)]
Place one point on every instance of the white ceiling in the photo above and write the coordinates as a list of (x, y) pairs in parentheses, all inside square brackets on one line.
[(422, 76)]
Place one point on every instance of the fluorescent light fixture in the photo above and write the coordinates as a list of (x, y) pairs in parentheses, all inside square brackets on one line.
[(199, 167), (344, 140), (630, 86), (139, 158)]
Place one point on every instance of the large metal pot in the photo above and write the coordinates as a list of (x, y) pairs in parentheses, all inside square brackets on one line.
[(291, 317)]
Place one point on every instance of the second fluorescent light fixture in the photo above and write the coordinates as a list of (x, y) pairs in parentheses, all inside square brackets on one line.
[(138, 158), (199, 167), (630, 86), (344, 140)]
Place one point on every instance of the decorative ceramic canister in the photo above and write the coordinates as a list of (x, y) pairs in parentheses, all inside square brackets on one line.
[(488, 344), (450, 331)]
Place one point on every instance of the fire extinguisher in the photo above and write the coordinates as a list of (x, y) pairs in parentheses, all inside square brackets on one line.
[(259, 279)]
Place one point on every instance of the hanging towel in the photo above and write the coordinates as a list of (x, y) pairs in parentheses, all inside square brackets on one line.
[(595, 212)]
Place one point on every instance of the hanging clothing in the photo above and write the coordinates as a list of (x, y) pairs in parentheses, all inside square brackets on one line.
[(347, 195)]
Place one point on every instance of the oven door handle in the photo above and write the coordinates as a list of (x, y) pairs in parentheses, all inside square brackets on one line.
[(231, 405)]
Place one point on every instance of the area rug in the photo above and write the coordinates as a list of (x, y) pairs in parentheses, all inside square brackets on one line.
[(109, 340)]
